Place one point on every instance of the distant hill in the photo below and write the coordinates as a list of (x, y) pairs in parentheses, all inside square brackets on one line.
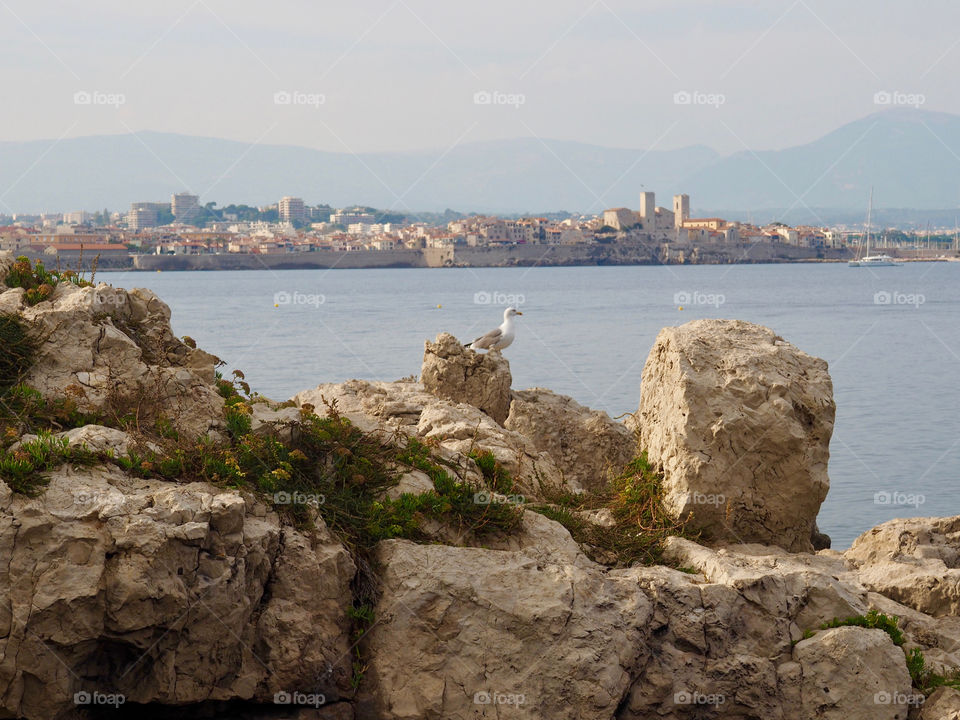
[(908, 156)]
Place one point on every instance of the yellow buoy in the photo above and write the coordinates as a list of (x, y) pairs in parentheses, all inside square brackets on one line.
[(680, 308), (439, 306), (276, 304)]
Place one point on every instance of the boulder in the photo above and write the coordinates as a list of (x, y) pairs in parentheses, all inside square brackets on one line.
[(113, 352), (165, 593), (468, 632), (453, 372), (739, 420), (913, 561), (943, 704), (585, 444), (853, 673)]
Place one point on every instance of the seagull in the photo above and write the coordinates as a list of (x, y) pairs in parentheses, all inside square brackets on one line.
[(501, 337)]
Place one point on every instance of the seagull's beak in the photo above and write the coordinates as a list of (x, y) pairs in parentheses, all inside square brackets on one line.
[(519, 313)]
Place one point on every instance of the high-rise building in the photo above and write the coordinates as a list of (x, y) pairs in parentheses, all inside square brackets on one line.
[(184, 206), (292, 209), (681, 209), (145, 214)]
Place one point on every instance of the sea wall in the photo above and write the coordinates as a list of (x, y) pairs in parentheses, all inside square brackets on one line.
[(621, 253)]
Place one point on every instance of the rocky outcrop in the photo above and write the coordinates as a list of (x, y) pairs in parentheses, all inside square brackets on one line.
[(453, 372), (112, 351), (913, 561), (851, 673), (586, 444), (467, 632), (943, 704), (165, 594), (202, 599), (457, 428), (740, 422)]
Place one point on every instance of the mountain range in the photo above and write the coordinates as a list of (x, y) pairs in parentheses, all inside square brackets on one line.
[(910, 157)]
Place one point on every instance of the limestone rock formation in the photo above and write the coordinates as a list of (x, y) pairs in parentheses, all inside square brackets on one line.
[(113, 352), (913, 561), (163, 593), (740, 422), (203, 600), (852, 673), (586, 444), (943, 704), (467, 632), (453, 372), (457, 428)]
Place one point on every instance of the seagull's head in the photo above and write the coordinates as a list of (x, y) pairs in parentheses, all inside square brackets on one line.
[(511, 312)]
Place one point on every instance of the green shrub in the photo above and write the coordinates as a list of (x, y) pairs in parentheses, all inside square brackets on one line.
[(873, 619), (19, 348), (641, 522), (39, 282)]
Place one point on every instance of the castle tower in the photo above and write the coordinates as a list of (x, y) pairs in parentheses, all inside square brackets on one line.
[(681, 209), (648, 209)]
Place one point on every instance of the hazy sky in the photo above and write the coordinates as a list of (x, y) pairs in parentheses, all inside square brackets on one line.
[(403, 74)]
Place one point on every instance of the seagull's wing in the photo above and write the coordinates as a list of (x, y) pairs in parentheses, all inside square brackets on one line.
[(487, 341)]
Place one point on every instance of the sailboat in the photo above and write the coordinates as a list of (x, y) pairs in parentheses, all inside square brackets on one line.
[(869, 260)]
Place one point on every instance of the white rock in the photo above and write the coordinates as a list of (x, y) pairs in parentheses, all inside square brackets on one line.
[(740, 422)]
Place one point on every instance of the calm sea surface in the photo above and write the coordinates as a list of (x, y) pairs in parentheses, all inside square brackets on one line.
[(891, 336)]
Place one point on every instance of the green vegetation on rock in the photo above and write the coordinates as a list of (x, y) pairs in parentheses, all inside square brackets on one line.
[(638, 523), (39, 282), (923, 679)]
